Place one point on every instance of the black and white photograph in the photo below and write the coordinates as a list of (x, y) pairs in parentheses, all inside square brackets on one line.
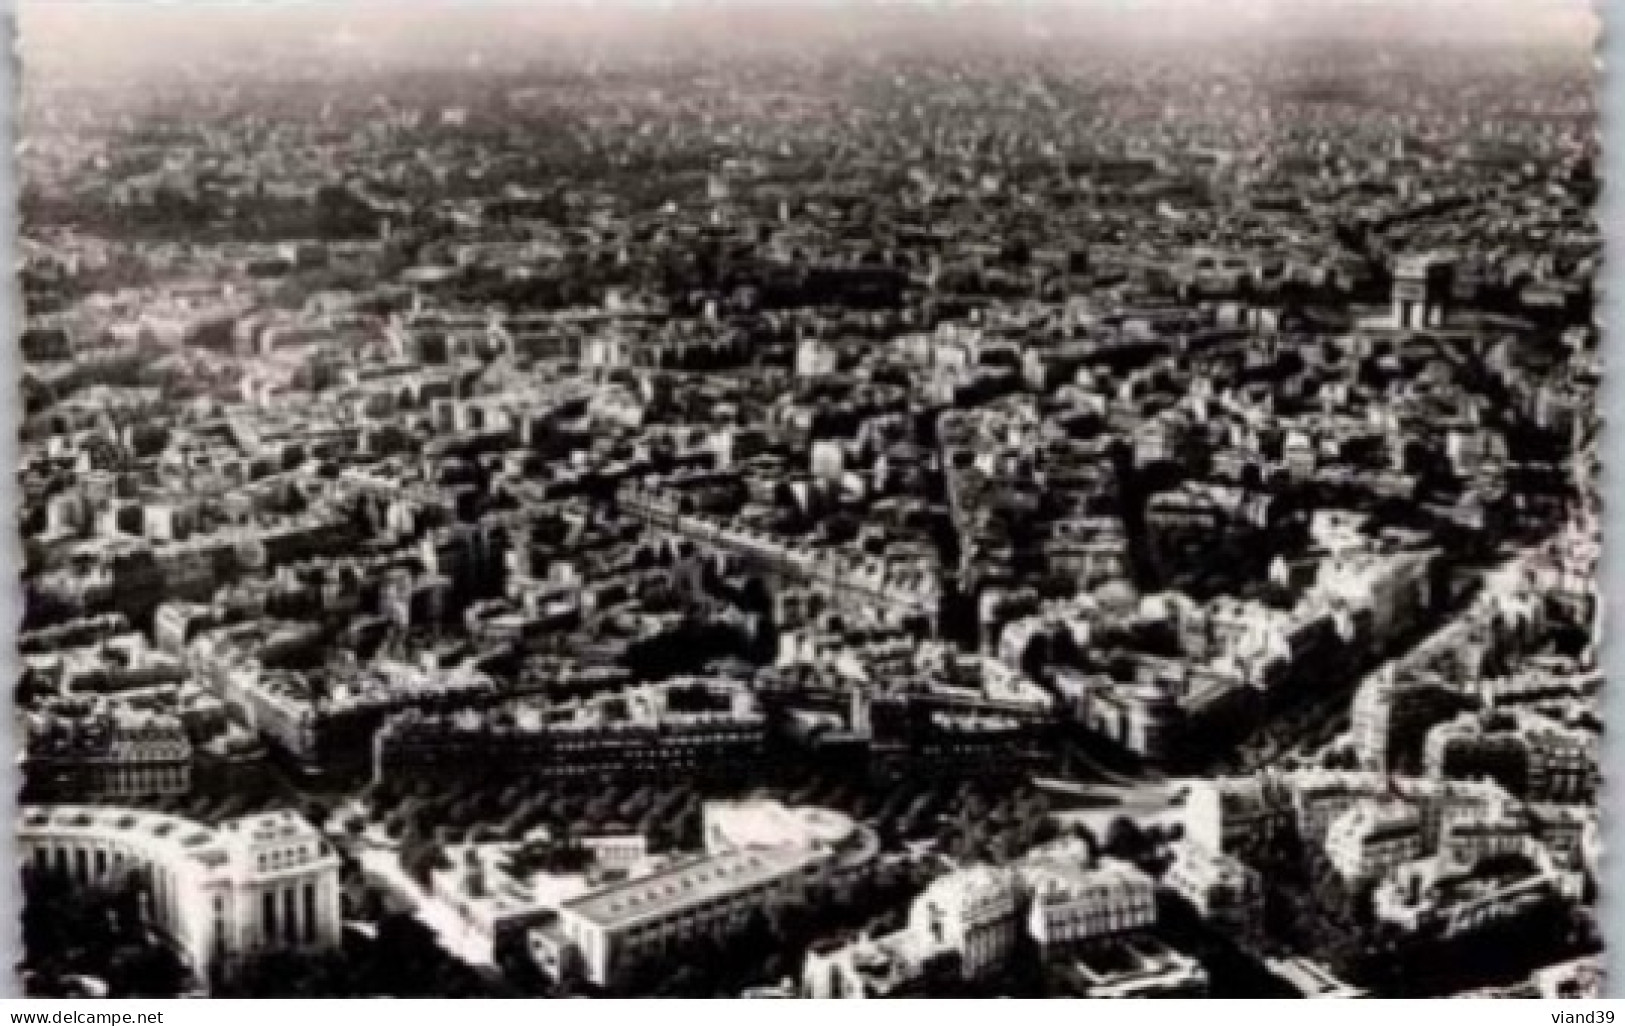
[(821, 499)]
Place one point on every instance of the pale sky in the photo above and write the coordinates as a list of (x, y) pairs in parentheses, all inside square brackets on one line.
[(101, 34)]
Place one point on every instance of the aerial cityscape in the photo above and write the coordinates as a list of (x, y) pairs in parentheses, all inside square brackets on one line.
[(741, 500)]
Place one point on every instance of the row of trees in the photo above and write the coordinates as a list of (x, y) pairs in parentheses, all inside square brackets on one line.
[(968, 820), (668, 815)]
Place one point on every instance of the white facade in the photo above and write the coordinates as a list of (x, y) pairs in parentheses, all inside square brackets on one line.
[(758, 852), (972, 912), (616, 851), (258, 883), (1074, 905)]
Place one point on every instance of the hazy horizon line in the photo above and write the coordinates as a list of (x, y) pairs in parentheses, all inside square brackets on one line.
[(102, 34)]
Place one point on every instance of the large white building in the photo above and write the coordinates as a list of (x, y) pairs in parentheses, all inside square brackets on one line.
[(256, 884), (757, 852), (972, 912), (1074, 906), (1242, 814)]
